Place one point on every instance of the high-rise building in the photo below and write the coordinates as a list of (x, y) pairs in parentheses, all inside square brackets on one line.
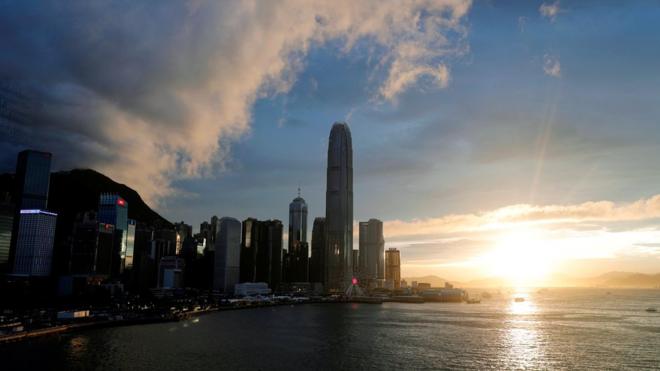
[(6, 225), (269, 254), (339, 210), (249, 245), (372, 252), (356, 258), (393, 268), (32, 180), (183, 231), (261, 252), (34, 243), (170, 272), (227, 255), (298, 251), (130, 244), (316, 262), (210, 244), (31, 189), (114, 210)]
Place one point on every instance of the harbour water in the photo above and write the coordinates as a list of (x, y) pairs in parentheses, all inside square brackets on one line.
[(554, 329)]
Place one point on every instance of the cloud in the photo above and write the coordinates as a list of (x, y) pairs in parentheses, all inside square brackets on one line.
[(599, 231), (550, 10), (154, 92), (551, 65), (562, 215)]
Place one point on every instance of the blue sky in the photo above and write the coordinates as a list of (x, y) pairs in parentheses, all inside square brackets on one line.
[(543, 103)]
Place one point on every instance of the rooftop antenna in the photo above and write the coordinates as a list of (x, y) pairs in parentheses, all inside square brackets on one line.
[(298, 189)]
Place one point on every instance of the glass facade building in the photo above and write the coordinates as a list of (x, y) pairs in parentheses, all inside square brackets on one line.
[(227, 255), (339, 210), (34, 243)]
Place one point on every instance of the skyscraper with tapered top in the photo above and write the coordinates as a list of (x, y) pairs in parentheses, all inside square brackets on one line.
[(339, 210)]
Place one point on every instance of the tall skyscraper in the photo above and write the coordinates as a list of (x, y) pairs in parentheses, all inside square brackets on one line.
[(227, 255), (393, 268), (32, 180), (130, 244), (269, 254), (298, 252), (114, 210), (31, 189), (249, 246), (372, 249), (317, 261), (183, 231), (339, 210), (6, 225), (261, 252), (34, 243)]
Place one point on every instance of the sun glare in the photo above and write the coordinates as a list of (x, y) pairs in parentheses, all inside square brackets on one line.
[(522, 257)]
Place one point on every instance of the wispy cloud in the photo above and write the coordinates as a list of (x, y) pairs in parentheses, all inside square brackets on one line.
[(551, 65), (152, 94), (550, 10)]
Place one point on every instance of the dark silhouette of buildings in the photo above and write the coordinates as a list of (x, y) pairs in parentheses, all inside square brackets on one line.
[(317, 260), (261, 252)]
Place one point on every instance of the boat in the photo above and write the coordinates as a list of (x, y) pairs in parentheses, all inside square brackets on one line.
[(651, 310), (473, 301), (519, 299)]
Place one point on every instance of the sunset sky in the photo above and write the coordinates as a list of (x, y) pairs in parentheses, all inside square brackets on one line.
[(493, 138)]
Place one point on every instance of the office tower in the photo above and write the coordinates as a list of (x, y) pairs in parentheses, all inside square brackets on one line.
[(34, 243), (227, 255), (183, 231), (261, 252), (316, 263), (6, 225), (84, 244), (249, 245), (269, 254), (298, 252), (130, 244), (210, 244), (108, 241), (393, 268), (32, 180), (170, 272), (372, 249), (339, 210), (31, 189), (356, 258), (114, 210)]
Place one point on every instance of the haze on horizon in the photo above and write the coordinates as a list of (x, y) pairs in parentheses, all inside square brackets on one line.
[(495, 139)]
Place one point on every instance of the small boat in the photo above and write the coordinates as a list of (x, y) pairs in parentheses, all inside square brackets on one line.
[(651, 310), (519, 299), (473, 301)]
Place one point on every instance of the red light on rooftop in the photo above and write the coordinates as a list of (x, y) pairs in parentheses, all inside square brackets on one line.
[(121, 202), (354, 281)]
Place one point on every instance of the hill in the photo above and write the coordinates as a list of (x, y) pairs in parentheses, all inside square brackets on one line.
[(78, 190)]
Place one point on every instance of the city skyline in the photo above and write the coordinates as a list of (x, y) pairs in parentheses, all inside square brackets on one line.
[(493, 145)]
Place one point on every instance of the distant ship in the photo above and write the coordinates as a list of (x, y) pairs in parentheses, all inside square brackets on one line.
[(519, 299), (473, 301), (651, 310), (448, 294)]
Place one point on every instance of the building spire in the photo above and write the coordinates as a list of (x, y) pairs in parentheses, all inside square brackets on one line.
[(298, 189)]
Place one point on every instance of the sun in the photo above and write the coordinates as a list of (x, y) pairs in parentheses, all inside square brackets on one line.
[(522, 257)]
